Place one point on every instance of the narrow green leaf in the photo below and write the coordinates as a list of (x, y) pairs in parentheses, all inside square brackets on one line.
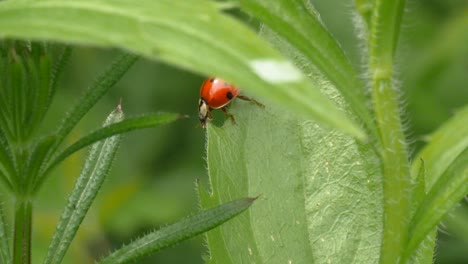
[(299, 24), (32, 90), (40, 104), (7, 169), (56, 72), (365, 7), (162, 29), (100, 86), (5, 112), (419, 186), (36, 160), (424, 252), (95, 169), (217, 251), (383, 37), (5, 180), (16, 86), (443, 147), (5, 256), (442, 197), (182, 230), (146, 121)]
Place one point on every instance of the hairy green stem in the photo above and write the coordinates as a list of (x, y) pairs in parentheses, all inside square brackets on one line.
[(22, 232), (395, 170), (385, 27)]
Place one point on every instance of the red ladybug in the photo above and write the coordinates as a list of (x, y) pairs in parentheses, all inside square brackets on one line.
[(216, 93)]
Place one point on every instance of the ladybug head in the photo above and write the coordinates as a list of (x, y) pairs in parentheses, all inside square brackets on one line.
[(203, 112)]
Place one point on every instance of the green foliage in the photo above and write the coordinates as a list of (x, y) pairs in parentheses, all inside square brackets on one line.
[(326, 196), (353, 200), (5, 256), (26, 162), (447, 192), (172, 234), (310, 179), (89, 182), (146, 121), (162, 29), (447, 143), (383, 37), (298, 24)]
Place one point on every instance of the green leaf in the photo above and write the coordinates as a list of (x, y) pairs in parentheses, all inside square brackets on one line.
[(182, 230), (320, 191), (162, 29), (442, 197), (5, 256), (5, 180), (299, 24), (16, 86), (7, 169), (146, 121), (36, 160), (5, 99), (419, 187), (444, 147), (95, 169), (57, 70), (100, 86), (365, 7), (424, 252), (39, 106)]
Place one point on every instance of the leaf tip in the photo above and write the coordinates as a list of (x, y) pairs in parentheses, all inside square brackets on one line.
[(253, 199), (421, 159), (360, 135), (118, 109)]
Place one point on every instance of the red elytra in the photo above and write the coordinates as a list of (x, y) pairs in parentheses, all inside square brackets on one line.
[(216, 93)]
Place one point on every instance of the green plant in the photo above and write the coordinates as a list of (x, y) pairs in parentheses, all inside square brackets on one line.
[(330, 196), (28, 85)]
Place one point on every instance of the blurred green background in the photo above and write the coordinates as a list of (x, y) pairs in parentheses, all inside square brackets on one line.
[(152, 181)]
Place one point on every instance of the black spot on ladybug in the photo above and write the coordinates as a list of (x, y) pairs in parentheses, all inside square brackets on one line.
[(212, 79), (229, 95)]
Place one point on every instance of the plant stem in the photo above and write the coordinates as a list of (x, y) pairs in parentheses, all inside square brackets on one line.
[(22, 232), (395, 170), (385, 26)]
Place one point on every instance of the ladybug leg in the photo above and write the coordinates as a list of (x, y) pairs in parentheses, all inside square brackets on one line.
[(245, 98), (209, 115), (228, 114)]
